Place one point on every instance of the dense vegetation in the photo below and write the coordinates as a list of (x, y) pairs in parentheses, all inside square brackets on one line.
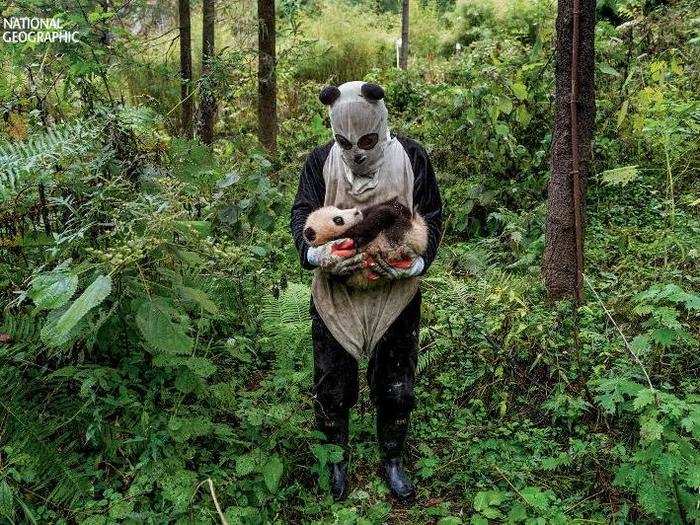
[(155, 351)]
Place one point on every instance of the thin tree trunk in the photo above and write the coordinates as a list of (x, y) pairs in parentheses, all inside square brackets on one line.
[(267, 79), (574, 120), (185, 67), (208, 104), (403, 55)]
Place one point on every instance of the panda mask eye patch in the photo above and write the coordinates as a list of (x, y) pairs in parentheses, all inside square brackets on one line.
[(365, 142)]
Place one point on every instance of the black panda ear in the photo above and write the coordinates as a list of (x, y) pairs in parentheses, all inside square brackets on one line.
[(372, 91), (328, 95)]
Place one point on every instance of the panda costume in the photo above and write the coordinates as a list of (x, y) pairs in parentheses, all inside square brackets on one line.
[(365, 165)]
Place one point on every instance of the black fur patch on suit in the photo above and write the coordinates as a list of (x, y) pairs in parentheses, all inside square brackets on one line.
[(390, 217), (328, 95)]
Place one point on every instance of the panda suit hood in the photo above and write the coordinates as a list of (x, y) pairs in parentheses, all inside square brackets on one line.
[(357, 110)]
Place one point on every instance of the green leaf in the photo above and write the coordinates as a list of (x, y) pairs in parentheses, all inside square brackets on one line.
[(651, 429), (52, 290), (187, 227), (640, 345), (619, 176), (230, 178), (693, 475), (502, 129), (245, 464), (644, 398), (523, 116), (201, 366), (121, 509), (622, 113), (535, 497), (519, 90), (449, 520), (483, 500), (185, 428), (6, 500), (517, 513), (200, 298), (272, 473), (654, 499), (158, 329), (607, 69), (57, 332), (505, 105), (664, 337)]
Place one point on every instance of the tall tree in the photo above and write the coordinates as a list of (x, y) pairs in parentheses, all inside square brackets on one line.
[(208, 103), (403, 55), (186, 102), (574, 119), (267, 79)]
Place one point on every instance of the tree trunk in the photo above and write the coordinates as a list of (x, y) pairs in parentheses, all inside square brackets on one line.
[(208, 104), (571, 152), (403, 55), (185, 68), (267, 80)]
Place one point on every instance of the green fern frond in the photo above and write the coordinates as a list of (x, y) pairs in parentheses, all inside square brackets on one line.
[(286, 319), (291, 307), (430, 357), (20, 160)]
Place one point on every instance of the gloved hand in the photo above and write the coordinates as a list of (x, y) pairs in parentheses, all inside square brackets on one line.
[(397, 270), (337, 257)]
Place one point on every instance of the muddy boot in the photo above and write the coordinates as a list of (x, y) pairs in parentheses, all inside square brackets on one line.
[(397, 479), (335, 427), (339, 480), (392, 430)]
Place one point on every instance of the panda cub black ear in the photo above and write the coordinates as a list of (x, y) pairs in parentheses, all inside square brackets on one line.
[(372, 92), (328, 95)]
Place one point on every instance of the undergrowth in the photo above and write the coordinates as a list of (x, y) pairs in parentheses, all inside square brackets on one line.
[(155, 357)]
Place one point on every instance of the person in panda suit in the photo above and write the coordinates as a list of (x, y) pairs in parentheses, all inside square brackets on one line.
[(365, 165)]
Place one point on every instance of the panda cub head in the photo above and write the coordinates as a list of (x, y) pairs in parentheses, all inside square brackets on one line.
[(329, 223)]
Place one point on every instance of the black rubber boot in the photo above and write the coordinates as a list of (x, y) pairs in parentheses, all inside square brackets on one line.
[(401, 487), (335, 427), (339, 480), (392, 429)]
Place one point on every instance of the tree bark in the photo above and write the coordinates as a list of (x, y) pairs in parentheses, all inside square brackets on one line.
[(267, 79), (403, 54), (208, 103), (186, 102), (571, 145)]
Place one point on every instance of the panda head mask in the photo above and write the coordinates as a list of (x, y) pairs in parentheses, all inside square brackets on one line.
[(359, 120)]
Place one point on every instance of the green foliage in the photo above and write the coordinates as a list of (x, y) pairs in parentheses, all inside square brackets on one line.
[(26, 162), (619, 176), (159, 350)]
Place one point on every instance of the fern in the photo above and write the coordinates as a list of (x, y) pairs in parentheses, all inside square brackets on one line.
[(619, 176), (285, 319), (430, 357), (19, 161)]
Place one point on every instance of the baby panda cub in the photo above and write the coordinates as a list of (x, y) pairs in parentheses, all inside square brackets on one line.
[(386, 229)]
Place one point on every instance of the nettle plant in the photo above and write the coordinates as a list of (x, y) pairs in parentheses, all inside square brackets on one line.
[(663, 466)]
